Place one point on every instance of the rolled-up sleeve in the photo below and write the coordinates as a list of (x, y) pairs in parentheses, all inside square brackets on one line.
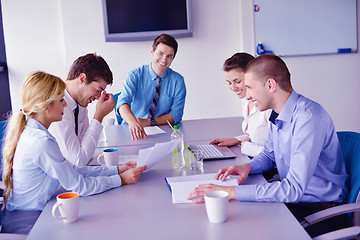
[(128, 91), (177, 108)]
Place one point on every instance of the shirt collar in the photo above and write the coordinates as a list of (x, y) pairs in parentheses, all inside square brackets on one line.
[(153, 74), (30, 122), (70, 101), (289, 107)]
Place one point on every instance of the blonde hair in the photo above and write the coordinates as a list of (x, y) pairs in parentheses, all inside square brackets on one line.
[(38, 91)]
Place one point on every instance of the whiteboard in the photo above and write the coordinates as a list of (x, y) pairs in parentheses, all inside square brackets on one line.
[(305, 27)]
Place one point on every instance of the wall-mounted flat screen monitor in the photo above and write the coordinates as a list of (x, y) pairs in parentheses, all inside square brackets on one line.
[(141, 20)]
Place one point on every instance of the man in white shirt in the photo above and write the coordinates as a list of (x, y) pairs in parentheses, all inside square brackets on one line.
[(88, 77)]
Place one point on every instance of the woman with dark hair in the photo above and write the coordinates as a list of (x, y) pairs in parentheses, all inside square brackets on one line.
[(255, 125)]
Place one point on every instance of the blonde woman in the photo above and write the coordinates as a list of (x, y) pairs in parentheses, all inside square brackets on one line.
[(33, 166), (256, 124)]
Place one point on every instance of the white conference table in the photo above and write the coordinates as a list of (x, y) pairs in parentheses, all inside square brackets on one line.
[(144, 210)]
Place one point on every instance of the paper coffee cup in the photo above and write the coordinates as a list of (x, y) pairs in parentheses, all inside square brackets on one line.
[(216, 203)]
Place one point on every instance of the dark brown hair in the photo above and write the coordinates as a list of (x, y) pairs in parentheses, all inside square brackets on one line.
[(167, 40), (94, 66), (238, 60), (271, 66)]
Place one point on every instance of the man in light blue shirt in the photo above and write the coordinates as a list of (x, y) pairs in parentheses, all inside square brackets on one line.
[(139, 88), (302, 143)]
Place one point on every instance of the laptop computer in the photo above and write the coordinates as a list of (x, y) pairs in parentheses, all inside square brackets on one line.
[(213, 152)]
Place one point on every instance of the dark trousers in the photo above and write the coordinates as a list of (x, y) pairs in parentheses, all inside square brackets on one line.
[(20, 222), (301, 210)]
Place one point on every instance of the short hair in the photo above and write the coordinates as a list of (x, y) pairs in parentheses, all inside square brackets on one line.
[(238, 60), (94, 66), (167, 40), (271, 66)]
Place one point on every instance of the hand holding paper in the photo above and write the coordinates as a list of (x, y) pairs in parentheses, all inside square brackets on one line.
[(150, 156)]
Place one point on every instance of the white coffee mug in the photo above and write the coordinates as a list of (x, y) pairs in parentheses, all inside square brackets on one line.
[(68, 204), (109, 157), (216, 203)]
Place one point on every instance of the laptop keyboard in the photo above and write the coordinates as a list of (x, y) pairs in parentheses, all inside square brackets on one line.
[(210, 151)]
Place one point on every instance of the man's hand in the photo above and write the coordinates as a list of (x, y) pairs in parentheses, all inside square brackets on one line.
[(105, 104), (197, 195), (225, 141), (242, 170), (136, 130), (131, 175), (126, 166)]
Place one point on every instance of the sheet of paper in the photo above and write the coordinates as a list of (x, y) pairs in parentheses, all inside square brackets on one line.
[(181, 187), (191, 178), (152, 130), (126, 158), (112, 135), (150, 156)]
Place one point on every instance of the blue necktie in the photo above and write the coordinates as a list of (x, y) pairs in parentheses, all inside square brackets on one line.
[(155, 99)]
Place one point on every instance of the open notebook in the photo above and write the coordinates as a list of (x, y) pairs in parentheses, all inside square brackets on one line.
[(182, 186), (213, 152)]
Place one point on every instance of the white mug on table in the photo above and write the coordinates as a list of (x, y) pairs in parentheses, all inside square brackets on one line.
[(68, 204), (109, 157)]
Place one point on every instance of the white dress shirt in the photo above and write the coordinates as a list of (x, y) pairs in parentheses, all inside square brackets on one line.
[(76, 149), (255, 126)]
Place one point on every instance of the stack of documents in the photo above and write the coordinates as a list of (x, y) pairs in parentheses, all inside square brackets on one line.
[(182, 186)]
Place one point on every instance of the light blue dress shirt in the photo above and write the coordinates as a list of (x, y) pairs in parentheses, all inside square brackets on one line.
[(39, 168), (303, 145), (139, 88)]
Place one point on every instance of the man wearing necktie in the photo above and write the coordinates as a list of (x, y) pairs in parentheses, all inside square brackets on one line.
[(153, 94), (87, 79)]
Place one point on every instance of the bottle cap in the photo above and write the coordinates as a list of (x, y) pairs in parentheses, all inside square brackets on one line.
[(176, 127)]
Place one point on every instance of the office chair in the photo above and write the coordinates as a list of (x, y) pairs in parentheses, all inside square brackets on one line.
[(2, 134), (350, 146), (118, 117)]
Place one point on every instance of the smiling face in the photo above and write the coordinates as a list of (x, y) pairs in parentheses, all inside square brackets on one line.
[(236, 83), (88, 92), (162, 56), (256, 91), (55, 110)]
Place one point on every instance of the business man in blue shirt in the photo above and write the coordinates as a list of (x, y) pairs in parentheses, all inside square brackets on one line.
[(302, 143), (153, 94)]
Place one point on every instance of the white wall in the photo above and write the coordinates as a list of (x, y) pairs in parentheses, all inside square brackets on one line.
[(50, 34), (33, 40)]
